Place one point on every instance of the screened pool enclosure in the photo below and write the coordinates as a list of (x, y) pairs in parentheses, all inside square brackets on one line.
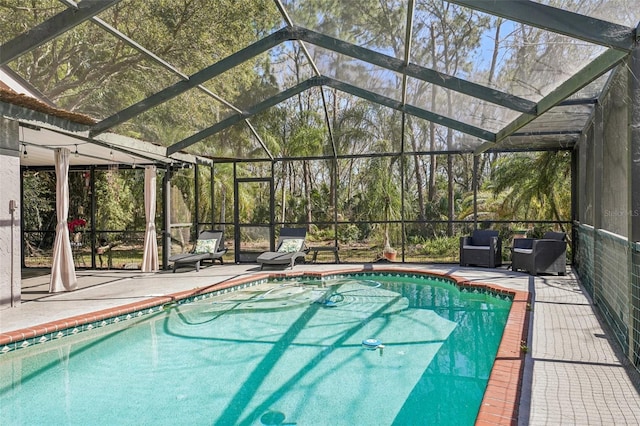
[(380, 126)]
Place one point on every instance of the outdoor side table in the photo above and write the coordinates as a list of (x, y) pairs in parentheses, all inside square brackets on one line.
[(317, 249)]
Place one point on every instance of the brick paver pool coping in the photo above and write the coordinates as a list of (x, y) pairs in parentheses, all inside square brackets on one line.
[(501, 399)]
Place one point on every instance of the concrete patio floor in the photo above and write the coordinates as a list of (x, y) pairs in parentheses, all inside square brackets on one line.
[(574, 374)]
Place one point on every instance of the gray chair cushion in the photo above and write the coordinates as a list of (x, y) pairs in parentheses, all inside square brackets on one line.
[(523, 250), (468, 247)]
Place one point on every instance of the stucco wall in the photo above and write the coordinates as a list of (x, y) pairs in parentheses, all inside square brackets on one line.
[(10, 268)]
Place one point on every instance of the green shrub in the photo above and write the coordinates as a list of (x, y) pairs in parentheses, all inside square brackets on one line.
[(317, 234), (442, 246), (348, 234)]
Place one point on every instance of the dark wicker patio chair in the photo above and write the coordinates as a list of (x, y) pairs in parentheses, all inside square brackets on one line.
[(536, 256), (482, 248)]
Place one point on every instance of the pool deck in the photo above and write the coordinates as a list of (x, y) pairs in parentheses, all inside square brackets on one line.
[(573, 373)]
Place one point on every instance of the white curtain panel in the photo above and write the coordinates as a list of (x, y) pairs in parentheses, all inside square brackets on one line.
[(63, 272), (150, 254)]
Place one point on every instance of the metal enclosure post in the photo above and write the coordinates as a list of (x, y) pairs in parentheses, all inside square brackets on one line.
[(402, 184), (575, 198), (22, 235), (474, 180), (196, 201), (212, 190), (335, 200), (236, 215), (166, 210), (598, 174), (634, 144), (272, 207), (94, 209), (634, 204)]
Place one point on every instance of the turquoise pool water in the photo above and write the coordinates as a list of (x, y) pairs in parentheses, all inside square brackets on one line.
[(283, 352)]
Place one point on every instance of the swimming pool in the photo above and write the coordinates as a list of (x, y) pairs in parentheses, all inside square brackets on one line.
[(284, 351)]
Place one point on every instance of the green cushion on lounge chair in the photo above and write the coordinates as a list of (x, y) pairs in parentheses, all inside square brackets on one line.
[(291, 245), (206, 246), (290, 248)]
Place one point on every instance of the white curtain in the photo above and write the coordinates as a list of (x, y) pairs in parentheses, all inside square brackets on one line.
[(63, 272), (150, 254)]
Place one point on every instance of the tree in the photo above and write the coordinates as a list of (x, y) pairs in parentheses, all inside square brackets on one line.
[(89, 70), (535, 196), (116, 202)]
